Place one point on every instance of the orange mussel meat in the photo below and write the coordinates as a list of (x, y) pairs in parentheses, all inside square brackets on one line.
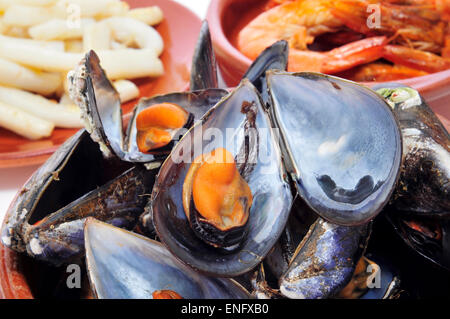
[(221, 197), (157, 125)]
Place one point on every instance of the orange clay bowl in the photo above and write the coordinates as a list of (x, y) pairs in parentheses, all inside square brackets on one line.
[(227, 17), (22, 277)]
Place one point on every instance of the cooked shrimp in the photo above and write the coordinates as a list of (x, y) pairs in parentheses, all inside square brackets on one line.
[(353, 54), (442, 6), (415, 59), (416, 26), (380, 72), (446, 50), (339, 59), (299, 23), (296, 22), (305, 61)]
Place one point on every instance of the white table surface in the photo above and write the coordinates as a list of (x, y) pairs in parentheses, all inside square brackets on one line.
[(12, 179)]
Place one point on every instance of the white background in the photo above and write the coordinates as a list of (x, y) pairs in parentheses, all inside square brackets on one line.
[(12, 179)]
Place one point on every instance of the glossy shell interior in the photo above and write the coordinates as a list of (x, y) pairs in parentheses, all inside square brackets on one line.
[(265, 176), (123, 265), (341, 141), (196, 103)]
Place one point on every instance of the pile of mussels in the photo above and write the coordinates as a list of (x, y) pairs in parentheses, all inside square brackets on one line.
[(291, 185)]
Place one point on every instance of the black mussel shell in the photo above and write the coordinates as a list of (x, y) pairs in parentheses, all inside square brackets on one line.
[(228, 239), (341, 144), (430, 237), (274, 57), (229, 124), (420, 207), (99, 101), (374, 278), (204, 72), (46, 219), (299, 223), (124, 265), (388, 283), (324, 261), (424, 183)]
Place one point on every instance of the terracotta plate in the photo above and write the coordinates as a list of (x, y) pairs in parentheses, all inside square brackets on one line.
[(179, 30)]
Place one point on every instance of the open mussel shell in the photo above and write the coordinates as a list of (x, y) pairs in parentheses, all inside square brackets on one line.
[(204, 72), (258, 158), (46, 219), (123, 265), (420, 207), (24, 206), (196, 103), (274, 57), (100, 104), (342, 143), (59, 238), (424, 183), (102, 114), (203, 95), (430, 237)]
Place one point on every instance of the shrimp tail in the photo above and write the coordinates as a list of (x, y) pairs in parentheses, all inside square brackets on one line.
[(415, 59), (354, 54), (380, 72)]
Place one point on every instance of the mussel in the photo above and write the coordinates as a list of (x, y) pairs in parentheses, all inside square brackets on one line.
[(325, 261), (424, 185), (123, 265), (239, 125), (344, 147), (420, 206)]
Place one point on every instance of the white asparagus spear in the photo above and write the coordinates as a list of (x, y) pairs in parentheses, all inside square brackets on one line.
[(59, 29), (97, 37), (114, 9), (140, 63), (39, 106), (74, 46), (16, 32), (50, 45), (89, 8), (23, 15), (23, 123), (27, 16), (3, 27), (4, 4), (150, 15), (18, 76), (39, 58), (66, 100), (127, 90)]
